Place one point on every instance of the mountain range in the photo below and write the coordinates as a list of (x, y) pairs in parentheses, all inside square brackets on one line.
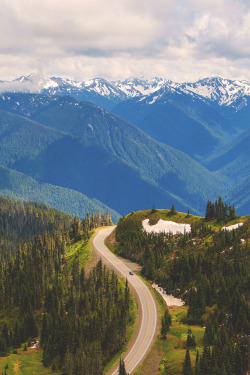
[(163, 142), (223, 92)]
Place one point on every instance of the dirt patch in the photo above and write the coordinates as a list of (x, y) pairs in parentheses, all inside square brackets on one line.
[(16, 367), (91, 264), (111, 240), (135, 267), (151, 363)]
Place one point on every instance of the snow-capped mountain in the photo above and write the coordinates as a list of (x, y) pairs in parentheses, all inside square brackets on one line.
[(137, 87), (98, 86), (122, 90), (222, 91), (29, 84), (97, 90), (107, 94), (105, 88), (164, 94)]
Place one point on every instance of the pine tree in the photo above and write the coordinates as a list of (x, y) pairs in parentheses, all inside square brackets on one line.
[(44, 331), (163, 329), (153, 209), (187, 367), (190, 343), (122, 369), (173, 210), (165, 324), (17, 338)]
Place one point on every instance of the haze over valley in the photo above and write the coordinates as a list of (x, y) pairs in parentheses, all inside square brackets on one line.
[(152, 142)]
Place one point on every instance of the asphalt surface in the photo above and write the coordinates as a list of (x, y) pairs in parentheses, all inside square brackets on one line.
[(148, 307)]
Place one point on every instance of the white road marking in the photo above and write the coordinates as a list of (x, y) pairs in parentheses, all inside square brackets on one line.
[(149, 312)]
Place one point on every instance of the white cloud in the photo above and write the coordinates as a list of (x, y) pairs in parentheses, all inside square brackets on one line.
[(180, 40)]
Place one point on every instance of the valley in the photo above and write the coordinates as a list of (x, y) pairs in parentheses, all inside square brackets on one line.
[(124, 187), (164, 142), (151, 143)]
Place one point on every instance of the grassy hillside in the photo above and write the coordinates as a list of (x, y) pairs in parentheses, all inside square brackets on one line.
[(209, 269), (167, 356), (180, 217), (25, 363)]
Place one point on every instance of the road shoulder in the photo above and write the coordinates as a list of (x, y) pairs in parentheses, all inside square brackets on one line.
[(135, 268)]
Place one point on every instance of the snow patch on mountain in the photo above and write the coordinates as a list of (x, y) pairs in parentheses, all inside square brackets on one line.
[(232, 227), (30, 84), (104, 88), (136, 87), (223, 92), (166, 226)]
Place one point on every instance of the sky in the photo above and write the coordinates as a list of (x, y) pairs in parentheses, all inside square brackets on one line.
[(181, 40)]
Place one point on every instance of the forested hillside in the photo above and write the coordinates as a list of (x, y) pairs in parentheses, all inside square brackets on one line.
[(81, 317), (240, 196), (20, 187), (177, 119), (199, 145), (79, 146), (21, 222), (209, 269)]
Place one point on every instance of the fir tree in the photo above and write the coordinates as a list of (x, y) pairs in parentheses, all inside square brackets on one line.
[(173, 210), (122, 369), (187, 367)]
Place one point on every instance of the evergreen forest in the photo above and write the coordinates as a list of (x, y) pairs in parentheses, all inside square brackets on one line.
[(21, 222), (79, 316), (209, 269)]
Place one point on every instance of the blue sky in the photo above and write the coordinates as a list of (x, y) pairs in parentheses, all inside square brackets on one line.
[(115, 39)]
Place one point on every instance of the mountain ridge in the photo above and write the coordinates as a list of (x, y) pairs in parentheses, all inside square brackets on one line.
[(224, 92), (20, 187), (91, 148)]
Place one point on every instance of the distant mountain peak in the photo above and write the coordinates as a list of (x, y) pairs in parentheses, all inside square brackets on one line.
[(32, 83), (220, 90), (224, 92), (138, 87)]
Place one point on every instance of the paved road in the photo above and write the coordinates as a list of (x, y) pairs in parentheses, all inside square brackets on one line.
[(149, 312)]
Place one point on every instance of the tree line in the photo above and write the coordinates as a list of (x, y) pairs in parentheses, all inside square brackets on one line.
[(208, 269), (21, 222), (81, 318), (220, 211)]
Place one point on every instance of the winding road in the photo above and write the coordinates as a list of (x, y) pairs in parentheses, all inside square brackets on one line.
[(147, 330)]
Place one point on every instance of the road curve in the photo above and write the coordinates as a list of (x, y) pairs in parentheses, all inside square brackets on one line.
[(149, 312)]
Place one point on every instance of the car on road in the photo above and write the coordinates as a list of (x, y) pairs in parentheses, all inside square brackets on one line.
[(131, 273)]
